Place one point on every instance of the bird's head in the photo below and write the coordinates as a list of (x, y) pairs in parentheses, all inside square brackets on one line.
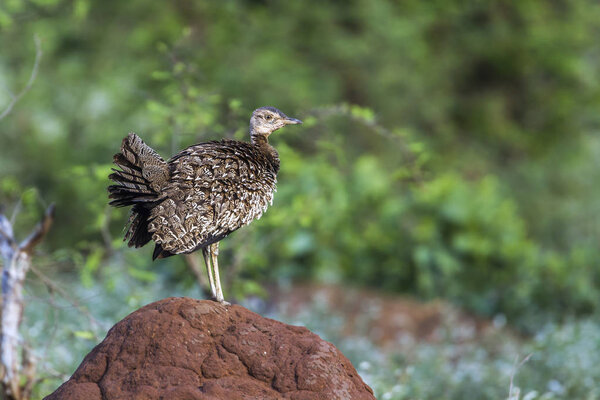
[(266, 120)]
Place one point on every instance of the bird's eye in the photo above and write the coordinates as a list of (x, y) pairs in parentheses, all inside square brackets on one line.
[(268, 117)]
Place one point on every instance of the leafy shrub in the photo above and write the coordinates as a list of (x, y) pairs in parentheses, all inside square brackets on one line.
[(501, 97)]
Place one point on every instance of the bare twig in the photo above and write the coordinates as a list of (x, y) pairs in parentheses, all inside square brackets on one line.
[(16, 211), (54, 287), (17, 373), (346, 110), (34, 71), (52, 336), (39, 232), (238, 259), (513, 372), (192, 262), (28, 371)]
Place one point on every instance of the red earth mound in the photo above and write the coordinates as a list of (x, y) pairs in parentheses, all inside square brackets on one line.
[(180, 348)]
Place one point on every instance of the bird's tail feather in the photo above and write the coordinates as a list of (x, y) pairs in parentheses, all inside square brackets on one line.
[(141, 174), (159, 252), (137, 233)]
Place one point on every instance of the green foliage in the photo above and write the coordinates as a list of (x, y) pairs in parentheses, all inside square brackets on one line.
[(447, 237), (470, 233), (449, 148)]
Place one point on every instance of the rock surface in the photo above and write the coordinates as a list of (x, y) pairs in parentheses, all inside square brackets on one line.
[(180, 348)]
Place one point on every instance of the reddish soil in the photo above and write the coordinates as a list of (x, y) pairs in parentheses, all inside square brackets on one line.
[(389, 321)]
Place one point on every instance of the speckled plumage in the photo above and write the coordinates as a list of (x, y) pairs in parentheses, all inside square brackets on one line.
[(201, 194), (214, 189)]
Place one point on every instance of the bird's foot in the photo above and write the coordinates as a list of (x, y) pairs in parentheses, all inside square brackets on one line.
[(221, 301)]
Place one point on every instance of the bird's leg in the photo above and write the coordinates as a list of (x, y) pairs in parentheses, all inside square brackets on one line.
[(206, 254), (214, 251)]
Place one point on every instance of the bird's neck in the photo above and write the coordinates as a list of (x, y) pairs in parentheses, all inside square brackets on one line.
[(262, 143), (259, 140)]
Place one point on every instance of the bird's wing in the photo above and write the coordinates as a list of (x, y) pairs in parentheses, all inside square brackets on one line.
[(215, 188)]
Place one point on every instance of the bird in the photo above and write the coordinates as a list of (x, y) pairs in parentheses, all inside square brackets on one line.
[(201, 194)]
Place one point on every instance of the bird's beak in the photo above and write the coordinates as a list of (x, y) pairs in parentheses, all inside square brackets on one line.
[(291, 121)]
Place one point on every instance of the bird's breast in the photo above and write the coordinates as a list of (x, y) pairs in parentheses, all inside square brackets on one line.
[(236, 189)]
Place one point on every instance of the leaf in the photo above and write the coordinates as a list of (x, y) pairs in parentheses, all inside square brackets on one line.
[(142, 275), (87, 335)]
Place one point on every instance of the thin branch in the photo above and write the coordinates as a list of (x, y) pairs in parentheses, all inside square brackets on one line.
[(53, 286), (16, 211), (38, 359), (34, 72), (513, 372), (39, 231), (29, 366), (7, 90), (52, 336), (238, 258), (192, 262), (346, 110)]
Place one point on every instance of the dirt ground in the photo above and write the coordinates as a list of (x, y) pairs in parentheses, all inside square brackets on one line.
[(388, 320)]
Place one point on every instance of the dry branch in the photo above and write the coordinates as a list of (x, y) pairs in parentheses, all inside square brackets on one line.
[(40, 231), (515, 392), (34, 71), (192, 262), (16, 376)]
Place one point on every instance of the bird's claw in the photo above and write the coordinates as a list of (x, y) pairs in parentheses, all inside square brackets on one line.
[(221, 301)]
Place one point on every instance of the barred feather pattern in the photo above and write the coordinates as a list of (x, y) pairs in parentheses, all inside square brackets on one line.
[(140, 176), (214, 188)]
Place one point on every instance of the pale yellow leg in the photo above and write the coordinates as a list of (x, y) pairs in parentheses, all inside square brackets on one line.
[(206, 254), (214, 251)]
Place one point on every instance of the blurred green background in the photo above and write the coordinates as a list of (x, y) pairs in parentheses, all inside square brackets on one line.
[(450, 151)]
